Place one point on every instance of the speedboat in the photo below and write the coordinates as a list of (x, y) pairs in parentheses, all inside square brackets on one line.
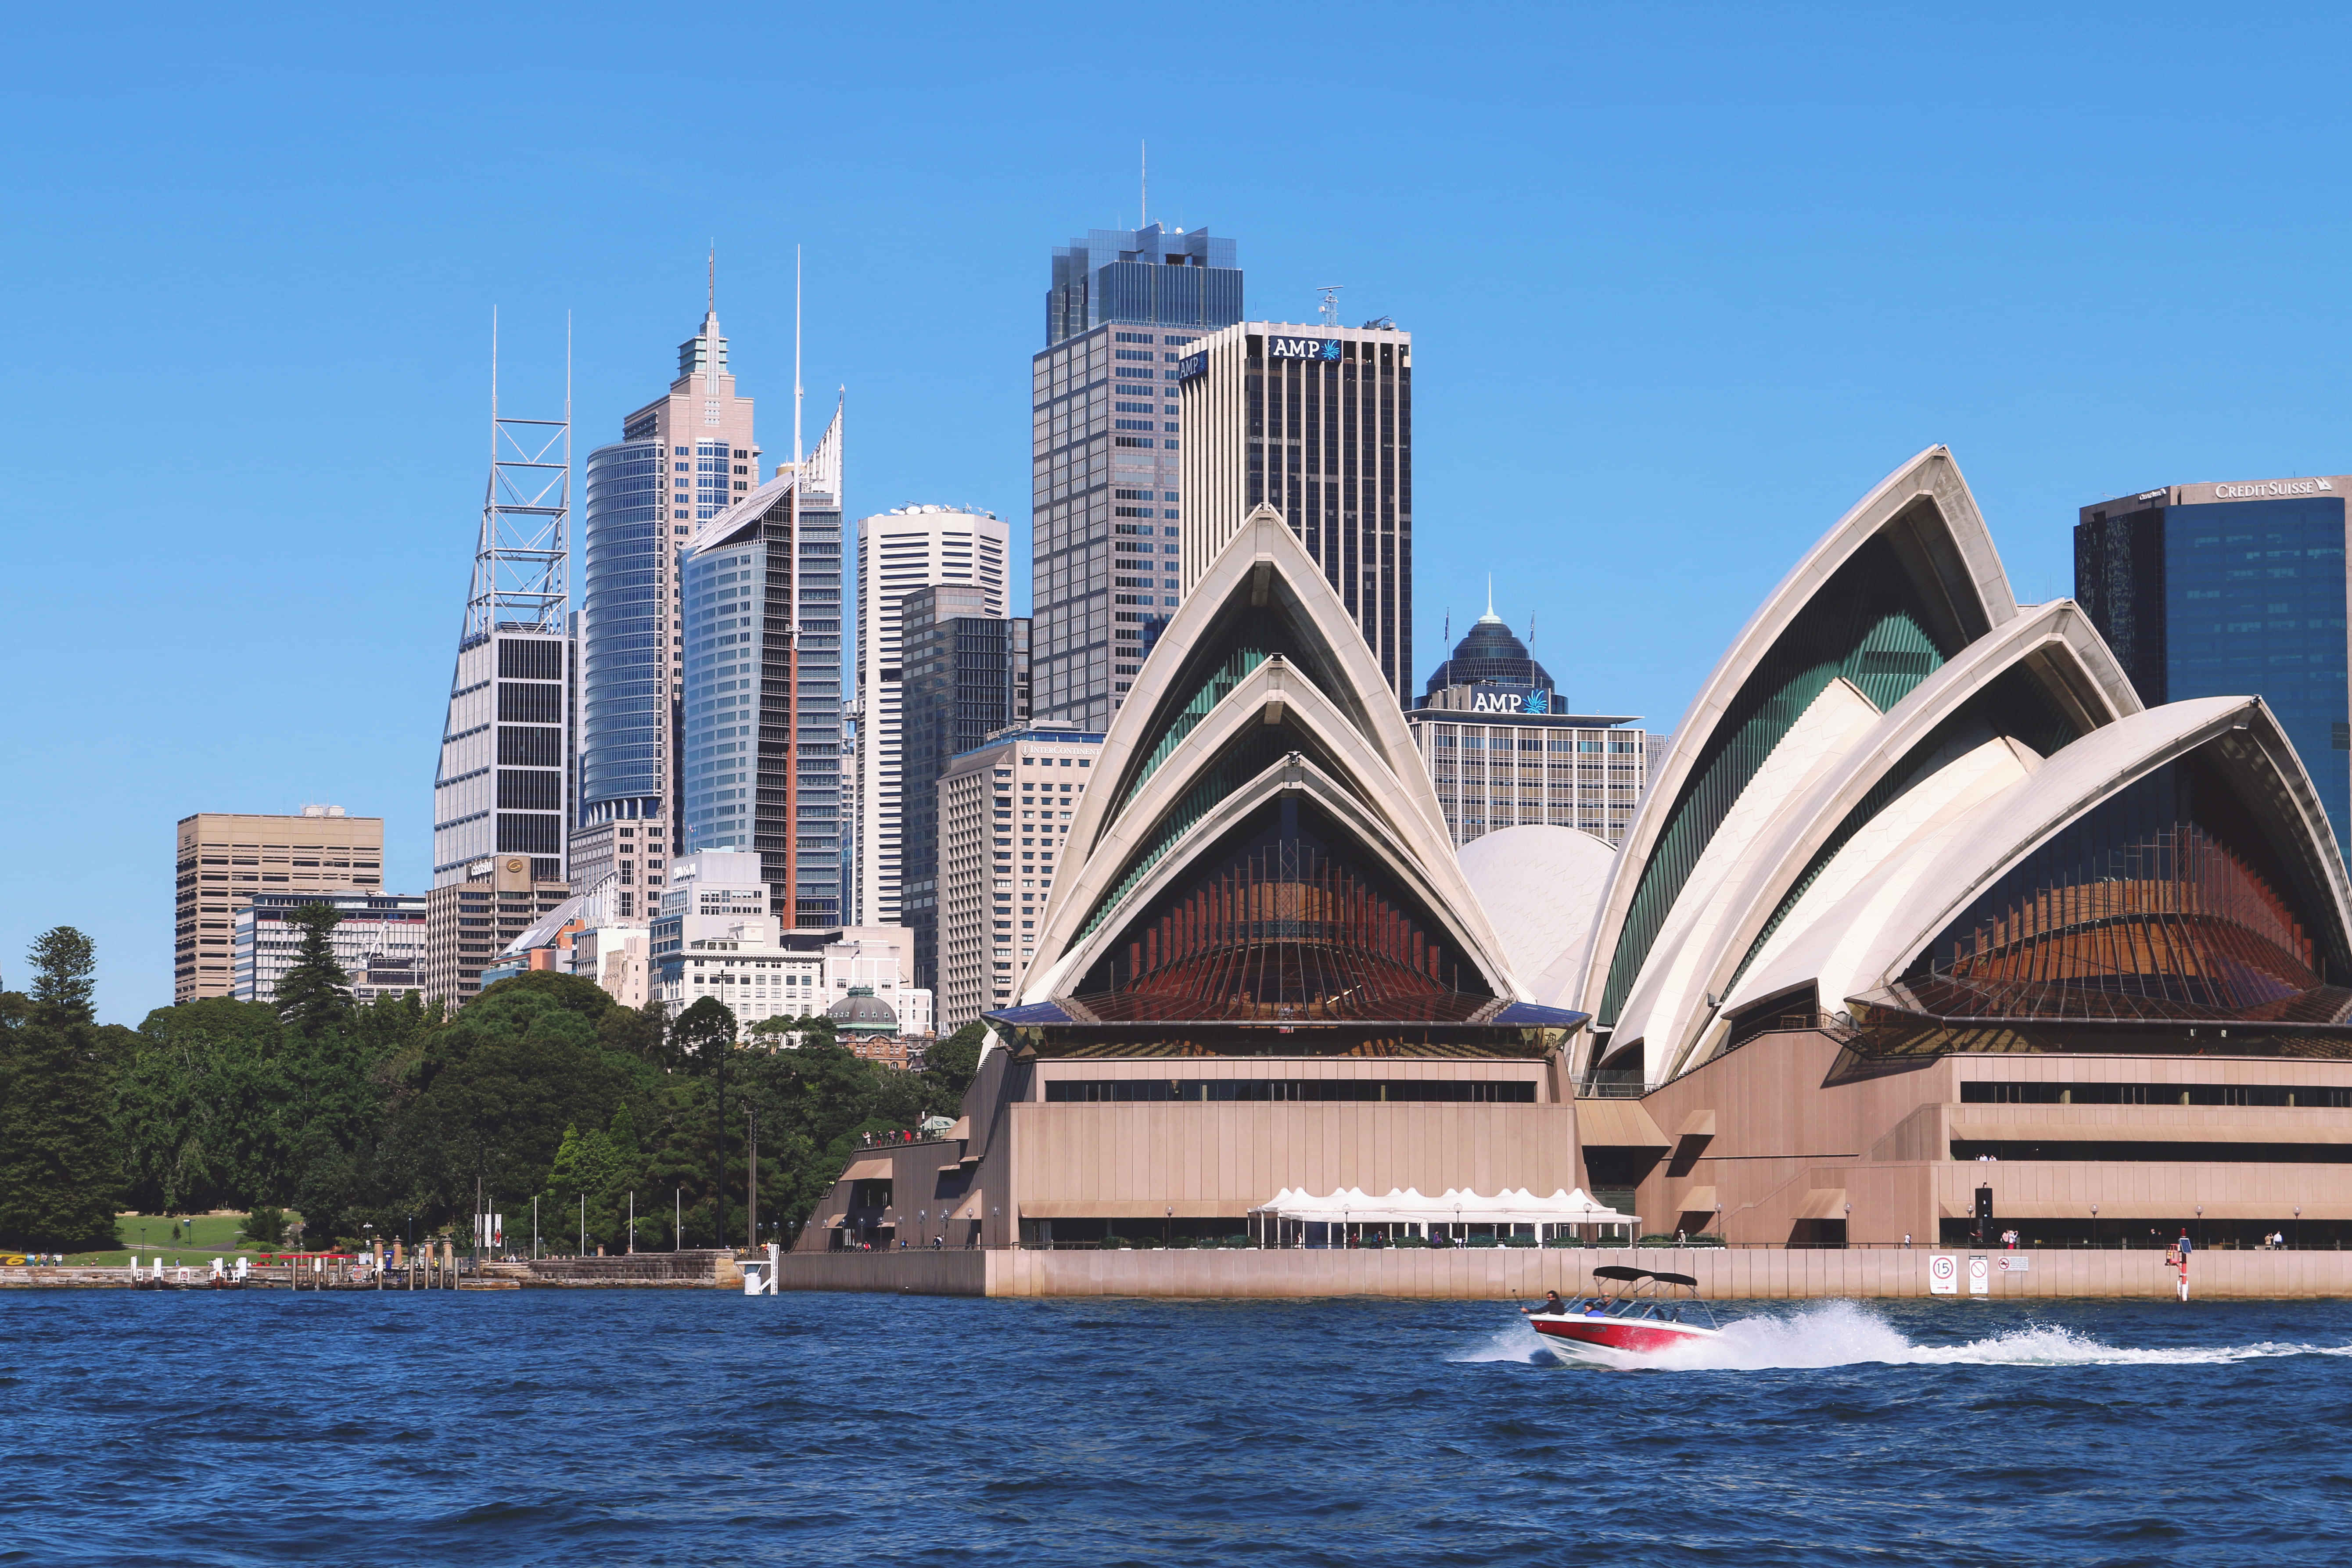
[(1638, 1313)]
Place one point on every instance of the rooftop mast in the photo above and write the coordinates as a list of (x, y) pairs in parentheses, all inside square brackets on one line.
[(519, 561)]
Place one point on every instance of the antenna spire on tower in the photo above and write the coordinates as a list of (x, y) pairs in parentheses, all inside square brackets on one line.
[(712, 301), (796, 363)]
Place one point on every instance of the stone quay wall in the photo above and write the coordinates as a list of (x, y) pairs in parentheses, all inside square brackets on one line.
[(1508, 1273)]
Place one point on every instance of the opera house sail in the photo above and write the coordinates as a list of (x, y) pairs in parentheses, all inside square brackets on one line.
[(1925, 930), (1267, 972), (1917, 852)]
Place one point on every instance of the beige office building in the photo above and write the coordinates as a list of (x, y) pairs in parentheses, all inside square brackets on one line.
[(225, 858), (469, 924), (1004, 814)]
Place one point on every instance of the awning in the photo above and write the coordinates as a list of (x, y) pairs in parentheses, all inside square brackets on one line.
[(1698, 1124), (1133, 1208), (1823, 1203), (1618, 1124), (1410, 1206), (2126, 1210), (2290, 1127), (832, 1220), (1702, 1200), (971, 1207), (869, 1171), (961, 1131)]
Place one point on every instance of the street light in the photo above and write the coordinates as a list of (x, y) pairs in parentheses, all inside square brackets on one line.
[(2095, 1227), (2298, 1227), (2201, 1225)]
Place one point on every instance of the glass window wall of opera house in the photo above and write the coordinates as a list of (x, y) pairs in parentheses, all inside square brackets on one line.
[(1926, 929)]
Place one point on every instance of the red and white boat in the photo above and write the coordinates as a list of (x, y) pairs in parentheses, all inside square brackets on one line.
[(1637, 1313)]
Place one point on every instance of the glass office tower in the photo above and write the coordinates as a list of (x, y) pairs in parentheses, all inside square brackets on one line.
[(2231, 590), (624, 712), (1125, 305), (760, 599), (682, 460)]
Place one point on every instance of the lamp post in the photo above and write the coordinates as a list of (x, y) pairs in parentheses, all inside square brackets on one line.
[(1849, 1225), (2298, 1227), (2201, 1225), (2095, 1227), (1168, 1229)]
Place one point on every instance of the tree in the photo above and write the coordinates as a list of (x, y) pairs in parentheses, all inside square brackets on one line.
[(203, 1109), (59, 1170), (315, 995), (488, 1095), (706, 1030), (596, 1173), (951, 1064)]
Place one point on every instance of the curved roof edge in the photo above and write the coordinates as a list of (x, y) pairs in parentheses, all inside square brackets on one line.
[(2055, 640), (1441, 888), (1877, 930), (1275, 687), (1971, 572)]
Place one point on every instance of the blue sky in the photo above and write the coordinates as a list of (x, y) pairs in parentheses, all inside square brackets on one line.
[(1684, 281)]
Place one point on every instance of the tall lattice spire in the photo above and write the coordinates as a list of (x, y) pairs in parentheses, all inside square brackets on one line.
[(519, 564)]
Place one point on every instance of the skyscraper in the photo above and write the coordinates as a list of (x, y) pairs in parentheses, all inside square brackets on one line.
[(967, 676), (898, 552), (503, 790), (683, 460), (2231, 590), (1124, 307), (1315, 422), (760, 590)]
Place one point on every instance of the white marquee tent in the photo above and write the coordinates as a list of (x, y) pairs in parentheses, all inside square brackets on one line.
[(1454, 1206)]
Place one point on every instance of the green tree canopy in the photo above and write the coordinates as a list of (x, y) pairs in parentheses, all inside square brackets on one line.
[(315, 995), (58, 1176)]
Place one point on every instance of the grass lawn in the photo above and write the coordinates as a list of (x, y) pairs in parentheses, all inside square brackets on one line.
[(202, 1237)]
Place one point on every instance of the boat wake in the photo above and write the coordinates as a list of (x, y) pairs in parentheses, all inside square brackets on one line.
[(1840, 1333)]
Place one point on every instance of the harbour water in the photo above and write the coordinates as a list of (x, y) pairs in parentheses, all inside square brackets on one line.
[(667, 1428)]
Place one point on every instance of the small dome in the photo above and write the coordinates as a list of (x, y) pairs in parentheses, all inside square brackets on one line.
[(863, 1013), (1489, 652)]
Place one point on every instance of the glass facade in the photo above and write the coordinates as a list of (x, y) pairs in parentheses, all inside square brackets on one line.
[(625, 717), (1150, 275), (819, 891), (1125, 308), (2232, 599)]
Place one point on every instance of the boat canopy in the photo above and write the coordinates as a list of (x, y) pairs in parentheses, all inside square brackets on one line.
[(1353, 1206)]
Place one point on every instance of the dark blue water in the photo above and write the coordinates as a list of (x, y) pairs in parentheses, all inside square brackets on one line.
[(696, 1427)]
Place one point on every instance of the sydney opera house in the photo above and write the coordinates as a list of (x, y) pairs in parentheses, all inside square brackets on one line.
[(1922, 909)]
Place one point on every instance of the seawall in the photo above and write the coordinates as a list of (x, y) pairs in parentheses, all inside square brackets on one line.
[(1502, 1273)]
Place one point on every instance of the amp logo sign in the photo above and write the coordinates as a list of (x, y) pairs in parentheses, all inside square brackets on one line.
[(1303, 348)]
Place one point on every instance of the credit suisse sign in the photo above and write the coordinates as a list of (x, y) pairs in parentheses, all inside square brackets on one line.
[(2273, 488)]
